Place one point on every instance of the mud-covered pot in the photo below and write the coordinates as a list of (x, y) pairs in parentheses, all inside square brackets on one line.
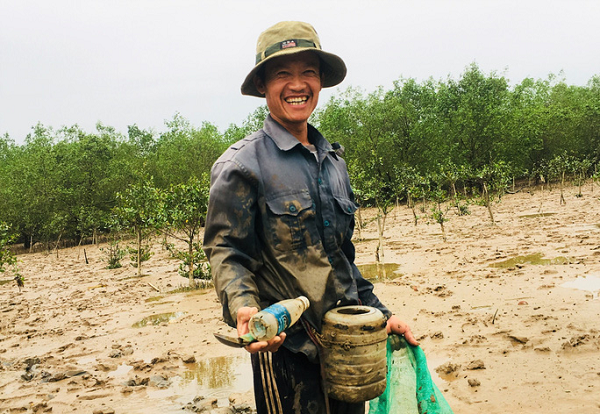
[(354, 353)]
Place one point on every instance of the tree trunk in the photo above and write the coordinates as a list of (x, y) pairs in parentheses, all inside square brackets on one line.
[(441, 221), (562, 186), (57, 244), (191, 265), (411, 204), (380, 256), (139, 252), (488, 204), (359, 223)]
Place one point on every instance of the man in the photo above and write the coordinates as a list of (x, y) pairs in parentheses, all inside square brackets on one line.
[(280, 223)]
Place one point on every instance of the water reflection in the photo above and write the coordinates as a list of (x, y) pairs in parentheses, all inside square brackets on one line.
[(534, 259), (158, 319), (231, 373), (587, 283), (373, 271)]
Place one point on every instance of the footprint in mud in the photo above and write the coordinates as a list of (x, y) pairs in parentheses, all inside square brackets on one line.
[(584, 341)]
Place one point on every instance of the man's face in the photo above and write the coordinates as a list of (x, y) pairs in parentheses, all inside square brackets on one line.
[(291, 87)]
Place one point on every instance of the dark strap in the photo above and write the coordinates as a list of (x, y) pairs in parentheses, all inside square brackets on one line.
[(286, 44)]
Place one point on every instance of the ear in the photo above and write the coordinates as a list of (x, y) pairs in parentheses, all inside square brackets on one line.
[(260, 85)]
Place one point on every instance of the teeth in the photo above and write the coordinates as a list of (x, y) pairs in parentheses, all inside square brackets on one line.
[(296, 101)]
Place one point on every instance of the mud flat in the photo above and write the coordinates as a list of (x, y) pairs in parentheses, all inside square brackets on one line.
[(507, 316)]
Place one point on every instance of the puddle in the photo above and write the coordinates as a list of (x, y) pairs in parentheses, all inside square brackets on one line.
[(537, 215), (372, 273), (121, 371), (88, 360), (587, 283), (212, 378), (439, 378), (221, 373), (534, 259), (158, 319), (193, 290)]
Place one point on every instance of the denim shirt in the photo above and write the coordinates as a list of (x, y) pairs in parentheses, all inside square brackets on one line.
[(279, 225)]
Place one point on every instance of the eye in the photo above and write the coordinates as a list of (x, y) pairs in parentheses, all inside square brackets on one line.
[(312, 72)]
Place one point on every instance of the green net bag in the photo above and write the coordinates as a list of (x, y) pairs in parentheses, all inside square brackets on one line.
[(410, 389)]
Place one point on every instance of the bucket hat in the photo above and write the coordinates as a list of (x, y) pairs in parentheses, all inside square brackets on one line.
[(286, 38)]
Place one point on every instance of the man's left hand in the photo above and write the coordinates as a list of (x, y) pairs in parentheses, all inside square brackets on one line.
[(395, 325)]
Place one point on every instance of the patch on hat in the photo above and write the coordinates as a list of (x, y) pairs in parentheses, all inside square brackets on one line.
[(288, 43)]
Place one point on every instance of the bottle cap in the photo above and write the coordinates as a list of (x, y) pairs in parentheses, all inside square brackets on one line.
[(304, 300)]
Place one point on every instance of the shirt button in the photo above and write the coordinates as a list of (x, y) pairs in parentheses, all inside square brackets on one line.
[(293, 209), (326, 223), (349, 209), (314, 206), (330, 260), (320, 181)]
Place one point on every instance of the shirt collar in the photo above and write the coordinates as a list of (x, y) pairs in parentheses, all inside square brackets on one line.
[(286, 141)]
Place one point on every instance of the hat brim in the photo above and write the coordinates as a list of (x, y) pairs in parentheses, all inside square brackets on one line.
[(332, 67)]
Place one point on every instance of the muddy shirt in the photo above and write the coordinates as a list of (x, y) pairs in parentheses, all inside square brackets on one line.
[(279, 225)]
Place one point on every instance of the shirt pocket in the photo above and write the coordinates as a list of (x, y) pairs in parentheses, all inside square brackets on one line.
[(345, 213), (287, 222)]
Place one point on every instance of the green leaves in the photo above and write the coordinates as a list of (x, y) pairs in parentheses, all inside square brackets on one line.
[(183, 213), (7, 258)]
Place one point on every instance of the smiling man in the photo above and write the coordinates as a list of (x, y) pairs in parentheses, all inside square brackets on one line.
[(280, 223)]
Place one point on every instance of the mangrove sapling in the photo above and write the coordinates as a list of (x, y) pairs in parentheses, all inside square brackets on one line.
[(438, 212), (450, 174), (138, 212), (113, 254), (7, 257), (582, 167), (379, 252), (493, 179), (182, 216), (558, 168), (411, 205)]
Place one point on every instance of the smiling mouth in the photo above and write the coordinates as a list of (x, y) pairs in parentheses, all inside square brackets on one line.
[(297, 101)]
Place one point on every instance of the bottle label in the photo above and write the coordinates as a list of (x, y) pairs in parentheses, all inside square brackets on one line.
[(281, 314)]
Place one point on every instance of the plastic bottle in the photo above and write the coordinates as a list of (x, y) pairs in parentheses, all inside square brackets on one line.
[(273, 320)]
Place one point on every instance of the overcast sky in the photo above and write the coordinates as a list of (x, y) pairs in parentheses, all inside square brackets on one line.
[(141, 61)]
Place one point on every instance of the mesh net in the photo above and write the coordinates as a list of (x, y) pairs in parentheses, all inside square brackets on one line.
[(410, 389)]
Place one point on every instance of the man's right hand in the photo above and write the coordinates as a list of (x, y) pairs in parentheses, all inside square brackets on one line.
[(243, 317)]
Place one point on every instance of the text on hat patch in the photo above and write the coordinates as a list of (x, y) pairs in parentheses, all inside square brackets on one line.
[(288, 43)]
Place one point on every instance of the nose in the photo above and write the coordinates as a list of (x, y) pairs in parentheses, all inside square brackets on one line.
[(296, 83)]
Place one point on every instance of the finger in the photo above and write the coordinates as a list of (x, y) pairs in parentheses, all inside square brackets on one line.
[(264, 346), (243, 317), (276, 342), (408, 335), (255, 347)]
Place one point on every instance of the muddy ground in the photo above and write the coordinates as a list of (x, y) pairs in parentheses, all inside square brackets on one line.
[(506, 314)]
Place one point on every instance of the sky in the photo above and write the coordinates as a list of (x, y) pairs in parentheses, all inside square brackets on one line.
[(125, 62)]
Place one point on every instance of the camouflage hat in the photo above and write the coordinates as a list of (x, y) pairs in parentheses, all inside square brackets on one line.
[(286, 38)]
